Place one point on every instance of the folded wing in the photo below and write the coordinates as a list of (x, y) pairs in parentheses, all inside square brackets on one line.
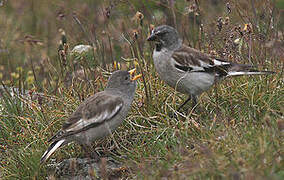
[(187, 59), (92, 112), (191, 60)]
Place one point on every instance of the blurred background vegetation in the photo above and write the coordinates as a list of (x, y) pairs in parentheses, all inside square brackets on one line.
[(237, 136)]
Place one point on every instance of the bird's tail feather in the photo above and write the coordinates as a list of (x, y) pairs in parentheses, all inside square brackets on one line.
[(51, 149), (249, 72), (245, 69)]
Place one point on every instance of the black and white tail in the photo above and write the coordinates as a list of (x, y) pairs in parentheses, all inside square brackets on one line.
[(224, 69), (244, 69), (250, 72), (51, 149)]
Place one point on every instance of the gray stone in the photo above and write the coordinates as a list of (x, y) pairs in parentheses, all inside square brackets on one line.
[(77, 169)]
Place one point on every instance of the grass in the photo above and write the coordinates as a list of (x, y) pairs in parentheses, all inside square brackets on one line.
[(236, 134)]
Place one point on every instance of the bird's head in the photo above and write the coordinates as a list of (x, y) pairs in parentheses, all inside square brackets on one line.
[(123, 80), (165, 37)]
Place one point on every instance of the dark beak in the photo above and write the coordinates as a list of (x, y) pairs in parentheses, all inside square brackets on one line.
[(152, 37)]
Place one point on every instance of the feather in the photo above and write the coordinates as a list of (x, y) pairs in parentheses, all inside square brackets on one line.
[(255, 72), (187, 59), (51, 149)]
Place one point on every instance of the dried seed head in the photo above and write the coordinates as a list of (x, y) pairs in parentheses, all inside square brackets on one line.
[(138, 18), (228, 8), (135, 33), (61, 31), (227, 20), (192, 7), (151, 27), (220, 23), (139, 15), (107, 12), (248, 28), (65, 47), (239, 30)]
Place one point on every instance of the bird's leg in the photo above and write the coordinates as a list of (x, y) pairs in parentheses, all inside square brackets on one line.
[(195, 107), (188, 99), (194, 104), (91, 154), (194, 101)]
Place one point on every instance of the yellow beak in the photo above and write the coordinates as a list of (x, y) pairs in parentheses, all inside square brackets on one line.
[(136, 77), (133, 78), (132, 71)]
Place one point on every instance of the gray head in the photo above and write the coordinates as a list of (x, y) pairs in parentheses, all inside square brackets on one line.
[(165, 37), (122, 81)]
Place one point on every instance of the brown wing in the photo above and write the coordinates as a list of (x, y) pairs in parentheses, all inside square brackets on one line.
[(192, 60), (95, 109), (187, 56)]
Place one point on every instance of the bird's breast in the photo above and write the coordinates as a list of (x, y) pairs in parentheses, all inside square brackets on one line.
[(164, 67)]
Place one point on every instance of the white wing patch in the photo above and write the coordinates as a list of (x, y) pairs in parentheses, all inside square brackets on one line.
[(188, 66), (98, 118), (197, 68), (204, 64), (175, 64)]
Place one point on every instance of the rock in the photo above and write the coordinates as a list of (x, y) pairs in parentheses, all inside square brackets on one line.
[(106, 168), (81, 49)]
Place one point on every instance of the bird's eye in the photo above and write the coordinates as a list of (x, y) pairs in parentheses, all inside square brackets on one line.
[(126, 78)]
